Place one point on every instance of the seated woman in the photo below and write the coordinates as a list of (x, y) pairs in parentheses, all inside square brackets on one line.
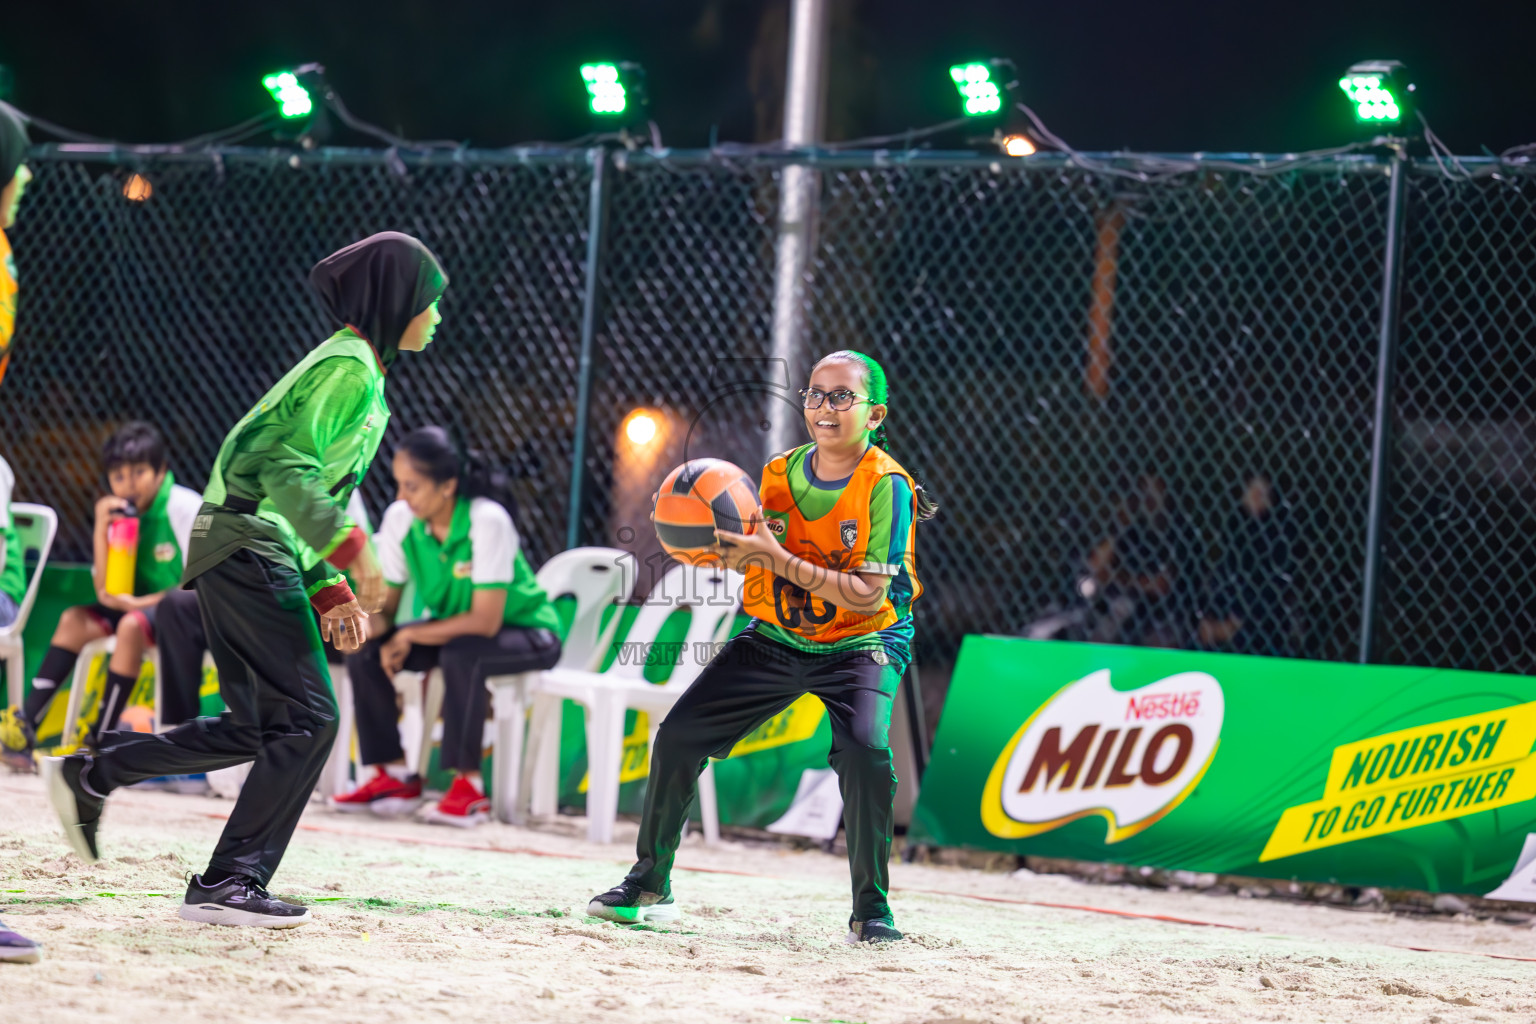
[(488, 617)]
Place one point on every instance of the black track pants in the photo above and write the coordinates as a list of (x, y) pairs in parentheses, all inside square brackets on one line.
[(749, 681), (281, 712)]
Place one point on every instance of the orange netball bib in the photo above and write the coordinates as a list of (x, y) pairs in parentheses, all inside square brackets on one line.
[(838, 540)]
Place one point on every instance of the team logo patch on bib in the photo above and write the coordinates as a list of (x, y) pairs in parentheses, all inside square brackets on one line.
[(774, 524), (848, 529), (165, 552), (462, 570)]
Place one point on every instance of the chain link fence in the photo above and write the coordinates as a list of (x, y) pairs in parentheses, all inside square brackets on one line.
[(1145, 404), (1461, 536)]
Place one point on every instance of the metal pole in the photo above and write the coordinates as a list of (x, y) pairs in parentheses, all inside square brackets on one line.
[(1386, 366), (804, 100), (597, 222)]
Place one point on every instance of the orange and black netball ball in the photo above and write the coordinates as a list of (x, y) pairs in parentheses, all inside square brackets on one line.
[(697, 498)]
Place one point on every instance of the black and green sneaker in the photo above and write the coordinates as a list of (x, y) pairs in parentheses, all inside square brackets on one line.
[(877, 930), (627, 903)]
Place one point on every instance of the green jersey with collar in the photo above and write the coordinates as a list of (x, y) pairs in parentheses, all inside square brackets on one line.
[(165, 532), (296, 457), (482, 551)]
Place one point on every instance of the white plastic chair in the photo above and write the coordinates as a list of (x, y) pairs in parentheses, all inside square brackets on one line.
[(107, 645), (596, 578), (713, 595), (36, 526)]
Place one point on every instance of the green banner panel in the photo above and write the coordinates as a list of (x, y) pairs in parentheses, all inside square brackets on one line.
[(1362, 775)]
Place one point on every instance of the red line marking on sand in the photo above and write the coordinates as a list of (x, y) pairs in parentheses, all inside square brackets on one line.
[(1078, 906), (418, 841), (486, 848), (1468, 952), (483, 847), (1082, 908)]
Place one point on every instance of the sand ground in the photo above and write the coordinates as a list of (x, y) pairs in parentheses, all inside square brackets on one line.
[(421, 923)]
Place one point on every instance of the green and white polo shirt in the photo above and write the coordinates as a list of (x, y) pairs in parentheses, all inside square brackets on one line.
[(165, 531), (482, 551)]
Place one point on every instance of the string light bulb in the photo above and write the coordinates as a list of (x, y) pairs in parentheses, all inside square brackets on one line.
[(1018, 145)]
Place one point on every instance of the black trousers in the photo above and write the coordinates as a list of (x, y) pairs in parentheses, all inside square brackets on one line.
[(466, 661), (749, 681), (181, 639), (281, 713)]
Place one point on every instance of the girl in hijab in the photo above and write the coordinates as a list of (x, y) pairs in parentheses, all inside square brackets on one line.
[(268, 543), (15, 175)]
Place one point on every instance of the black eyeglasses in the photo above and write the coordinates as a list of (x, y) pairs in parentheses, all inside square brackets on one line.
[(840, 400)]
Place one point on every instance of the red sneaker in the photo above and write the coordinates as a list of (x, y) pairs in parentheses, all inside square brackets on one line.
[(382, 794), (463, 805)]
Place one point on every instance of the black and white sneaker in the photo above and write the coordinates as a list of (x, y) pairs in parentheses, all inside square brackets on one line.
[(76, 803), (239, 901), (877, 930), (627, 903)]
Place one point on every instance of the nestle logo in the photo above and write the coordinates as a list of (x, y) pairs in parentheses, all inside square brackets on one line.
[(1163, 705)]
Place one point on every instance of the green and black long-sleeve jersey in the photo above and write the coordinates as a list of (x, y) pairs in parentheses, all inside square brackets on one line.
[(284, 473)]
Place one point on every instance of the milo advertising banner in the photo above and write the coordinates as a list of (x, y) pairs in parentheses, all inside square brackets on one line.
[(1363, 775)]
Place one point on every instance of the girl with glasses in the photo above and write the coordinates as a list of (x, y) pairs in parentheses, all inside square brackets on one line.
[(830, 583)]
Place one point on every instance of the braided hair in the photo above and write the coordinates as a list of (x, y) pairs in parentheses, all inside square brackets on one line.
[(878, 389)]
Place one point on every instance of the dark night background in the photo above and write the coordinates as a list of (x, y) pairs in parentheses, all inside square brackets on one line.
[(1170, 76)]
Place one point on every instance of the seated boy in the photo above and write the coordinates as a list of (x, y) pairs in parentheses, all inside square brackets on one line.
[(135, 463)]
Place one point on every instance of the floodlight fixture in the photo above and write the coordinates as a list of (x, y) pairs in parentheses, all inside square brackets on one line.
[(290, 95), (983, 85), (1378, 92), (616, 92)]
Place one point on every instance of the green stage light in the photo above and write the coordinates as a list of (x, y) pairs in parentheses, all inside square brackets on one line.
[(1378, 91), (1372, 100), (616, 93), (292, 98), (980, 93), (604, 89)]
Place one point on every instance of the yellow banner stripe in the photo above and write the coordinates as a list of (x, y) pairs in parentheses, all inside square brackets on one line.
[(1355, 815), (1438, 750)]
